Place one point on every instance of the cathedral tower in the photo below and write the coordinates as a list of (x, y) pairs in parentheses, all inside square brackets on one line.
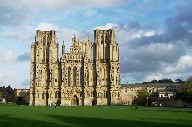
[(44, 85), (107, 67)]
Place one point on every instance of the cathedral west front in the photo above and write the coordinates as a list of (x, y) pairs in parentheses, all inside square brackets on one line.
[(88, 74)]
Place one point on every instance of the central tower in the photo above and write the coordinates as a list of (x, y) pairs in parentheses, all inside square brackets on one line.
[(74, 67)]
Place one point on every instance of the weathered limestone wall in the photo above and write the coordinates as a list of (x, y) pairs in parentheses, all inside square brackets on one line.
[(86, 75), (107, 66), (44, 69)]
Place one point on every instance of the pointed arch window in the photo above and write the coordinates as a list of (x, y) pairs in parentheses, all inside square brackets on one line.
[(81, 76), (74, 76), (69, 76)]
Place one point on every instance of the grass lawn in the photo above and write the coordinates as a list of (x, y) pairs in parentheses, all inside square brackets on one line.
[(101, 116)]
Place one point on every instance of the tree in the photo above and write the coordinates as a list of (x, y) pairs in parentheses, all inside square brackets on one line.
[(179, 81), (154, 81), (166, 80), (185, 92), (142, 97)]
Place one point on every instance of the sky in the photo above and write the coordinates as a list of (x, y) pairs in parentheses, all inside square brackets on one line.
[(155, 36)]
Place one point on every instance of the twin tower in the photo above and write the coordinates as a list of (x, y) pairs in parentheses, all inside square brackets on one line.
[(89, 74)]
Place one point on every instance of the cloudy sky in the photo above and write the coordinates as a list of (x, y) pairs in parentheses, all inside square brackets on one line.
[(155, 36)]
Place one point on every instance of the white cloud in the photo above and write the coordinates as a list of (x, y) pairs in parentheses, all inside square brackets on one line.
[(13, 35), (152, 76), (182, 66), (14, 73), (44, 26), (51, 4), (153, 52), (107, 26), (128, 32), (7, 56), (11, 4), (90, 13), (10, 77)]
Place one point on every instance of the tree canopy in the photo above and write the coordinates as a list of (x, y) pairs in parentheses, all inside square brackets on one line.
[(164, 80), (185, 92)]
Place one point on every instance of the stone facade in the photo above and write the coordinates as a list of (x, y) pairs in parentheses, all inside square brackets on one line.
[(89, 74), (163, 90), (22, 95)]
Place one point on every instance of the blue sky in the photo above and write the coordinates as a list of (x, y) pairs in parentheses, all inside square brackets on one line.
[(154, 35)]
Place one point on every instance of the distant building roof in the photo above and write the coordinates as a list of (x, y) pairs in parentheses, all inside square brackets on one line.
[(152, 85), (168, 90)]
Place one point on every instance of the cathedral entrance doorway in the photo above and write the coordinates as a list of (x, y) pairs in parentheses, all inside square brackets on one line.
[(75, 100)]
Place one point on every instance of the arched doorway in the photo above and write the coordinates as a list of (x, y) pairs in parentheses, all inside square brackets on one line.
[(75, 100)]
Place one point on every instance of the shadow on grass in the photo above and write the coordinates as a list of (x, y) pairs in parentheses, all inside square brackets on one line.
[(71, 121), (181, 110), (8, 121), (100, 122)]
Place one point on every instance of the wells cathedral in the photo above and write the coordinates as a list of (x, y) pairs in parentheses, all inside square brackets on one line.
[(89, 74)]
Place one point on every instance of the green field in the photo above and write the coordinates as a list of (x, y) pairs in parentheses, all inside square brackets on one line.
[(101, 116)]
